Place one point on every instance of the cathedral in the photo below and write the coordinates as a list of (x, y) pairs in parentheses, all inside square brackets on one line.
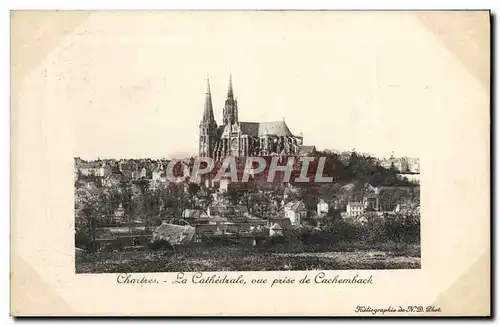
[(237, 138)]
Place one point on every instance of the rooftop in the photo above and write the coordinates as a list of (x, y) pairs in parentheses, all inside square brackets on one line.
[(257, 129), (294, 205)]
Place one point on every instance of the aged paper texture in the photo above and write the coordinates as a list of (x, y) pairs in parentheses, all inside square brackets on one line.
[(102, 102)]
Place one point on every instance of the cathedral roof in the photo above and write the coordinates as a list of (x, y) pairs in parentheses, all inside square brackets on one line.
[(304, 150), (257, 129)]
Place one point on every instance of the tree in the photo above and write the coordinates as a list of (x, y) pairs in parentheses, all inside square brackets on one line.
[(193, 190), (86, 217), (247, 191), (109, 200), (262, 202), (128, 206), (232, 195), (393, 168), (334, 214), (310, 199), (175, 199), (150, 207), (205, 196)]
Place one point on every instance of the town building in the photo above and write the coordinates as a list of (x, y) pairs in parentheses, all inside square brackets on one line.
[(402, 164), (322, 208), (129, 170), (113, 180), (159, 173), (275, 230), (195, 216), (386, 199), (382, 200), (119, 214), (146, 173), (158, 177), (355, 209), (295, 211), (105, 170), (174, 234), (88, 168)]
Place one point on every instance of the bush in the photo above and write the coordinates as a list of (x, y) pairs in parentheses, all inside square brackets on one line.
[(110, 247), (82, 240), (391, 228), (344, 231), (161, 245)]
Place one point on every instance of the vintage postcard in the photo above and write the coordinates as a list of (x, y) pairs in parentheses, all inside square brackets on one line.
[(244, 163)]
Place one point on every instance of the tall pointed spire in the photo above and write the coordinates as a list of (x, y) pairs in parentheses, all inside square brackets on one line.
[(230, 89), (208, 85), (208, 126), (230, 111), (208, 112)]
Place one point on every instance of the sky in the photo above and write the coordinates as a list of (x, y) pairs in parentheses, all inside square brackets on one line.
[(133, 84)]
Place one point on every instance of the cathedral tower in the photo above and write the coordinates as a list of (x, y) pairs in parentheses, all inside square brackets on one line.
[(230, 111), (208, 127)]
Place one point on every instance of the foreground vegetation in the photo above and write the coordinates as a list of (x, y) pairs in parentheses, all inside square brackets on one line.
[(96, 200), (234, 258), (326, 243), (381, 243)]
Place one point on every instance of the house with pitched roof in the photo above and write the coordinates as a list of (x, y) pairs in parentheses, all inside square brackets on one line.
[(275, 230), (295, 211), (195, 216), (115, 177), (88, 168), (130, 169), (105, 169)]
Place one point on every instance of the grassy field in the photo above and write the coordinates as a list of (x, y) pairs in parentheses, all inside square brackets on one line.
[(339, 257)]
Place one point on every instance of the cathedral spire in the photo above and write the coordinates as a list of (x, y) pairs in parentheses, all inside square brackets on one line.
[(230, 111), (208, 85), (230, 89), (208, 113), (208, 126)]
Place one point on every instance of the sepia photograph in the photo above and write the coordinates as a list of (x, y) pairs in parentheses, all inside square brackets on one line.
[(256, 196), (310, 162)]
